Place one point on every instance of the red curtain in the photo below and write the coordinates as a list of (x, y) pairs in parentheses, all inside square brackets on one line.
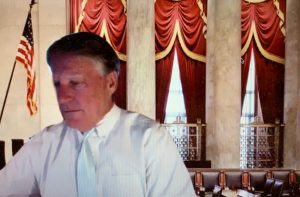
[(192, 75), (74, 13), (163, 79), (181, 25), (263, 31), (106, 18)]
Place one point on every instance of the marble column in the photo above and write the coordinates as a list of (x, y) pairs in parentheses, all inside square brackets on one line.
[(292, 86), (141, 57), (223, 83)]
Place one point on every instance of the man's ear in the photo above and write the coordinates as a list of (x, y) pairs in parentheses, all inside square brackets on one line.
[(112, 81)]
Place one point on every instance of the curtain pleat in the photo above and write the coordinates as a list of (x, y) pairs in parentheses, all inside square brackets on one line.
[(270, 85), (192, 75), (163, 78), (74, 12)]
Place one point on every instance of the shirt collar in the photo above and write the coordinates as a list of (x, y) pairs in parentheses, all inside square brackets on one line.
[(104, 126)]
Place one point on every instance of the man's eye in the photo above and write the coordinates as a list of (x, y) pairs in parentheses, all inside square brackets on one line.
[(76, 84), (56, 84)]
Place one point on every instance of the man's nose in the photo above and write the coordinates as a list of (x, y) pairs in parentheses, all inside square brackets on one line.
[(64, 94)]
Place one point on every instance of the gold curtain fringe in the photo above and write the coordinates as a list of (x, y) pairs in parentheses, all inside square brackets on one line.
[(279, 13), (124, 2), (203, 16), (266, 54), (104, 34), (189, 53), (281, 17), (167, 50), (81, 16), (255, 1)]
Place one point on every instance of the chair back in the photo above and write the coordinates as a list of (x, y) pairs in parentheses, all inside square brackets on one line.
[(277, 188), (257, 180), (2, 154), (297, 175), (16, 145), (210, 179), (283, 175), (296, 189), (233, 180), (268, 186)]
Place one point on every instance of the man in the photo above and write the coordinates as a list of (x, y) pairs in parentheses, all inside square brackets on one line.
[(98, 149)]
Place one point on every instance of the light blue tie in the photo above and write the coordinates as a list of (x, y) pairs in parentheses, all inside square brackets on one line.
[(86, 174)]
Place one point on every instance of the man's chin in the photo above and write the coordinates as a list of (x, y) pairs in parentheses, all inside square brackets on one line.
[(77, 125), (73, 123)]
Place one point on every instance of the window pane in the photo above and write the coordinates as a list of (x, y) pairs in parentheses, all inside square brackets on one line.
[(175, 105), (249, 100)]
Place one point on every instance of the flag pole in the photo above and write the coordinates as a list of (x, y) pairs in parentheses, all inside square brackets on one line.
[(7, 90), (12, 73)]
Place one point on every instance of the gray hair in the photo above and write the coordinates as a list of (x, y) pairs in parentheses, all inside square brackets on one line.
[(86, 44)]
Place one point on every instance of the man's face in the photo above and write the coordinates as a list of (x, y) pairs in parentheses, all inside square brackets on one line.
[(83, 94)]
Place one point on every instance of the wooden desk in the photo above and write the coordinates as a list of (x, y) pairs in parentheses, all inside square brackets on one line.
[(198, 164), (239, 192)]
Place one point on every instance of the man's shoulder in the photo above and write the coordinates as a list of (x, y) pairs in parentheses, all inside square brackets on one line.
[(142, 126), (51, 131), (138, 119)]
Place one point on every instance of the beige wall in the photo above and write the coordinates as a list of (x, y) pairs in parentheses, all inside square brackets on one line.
[(140, 57), (223, 83), (292, 86), (223, 67)]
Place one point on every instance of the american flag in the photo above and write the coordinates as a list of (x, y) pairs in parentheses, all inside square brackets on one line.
[(25, 56)]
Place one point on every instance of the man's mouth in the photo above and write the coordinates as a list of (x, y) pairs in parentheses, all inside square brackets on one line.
[(71, 111)]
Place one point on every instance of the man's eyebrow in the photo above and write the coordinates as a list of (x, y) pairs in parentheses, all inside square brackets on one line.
[(69, 76)]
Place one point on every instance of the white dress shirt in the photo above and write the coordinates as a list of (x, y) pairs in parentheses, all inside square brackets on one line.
[(134, 156)]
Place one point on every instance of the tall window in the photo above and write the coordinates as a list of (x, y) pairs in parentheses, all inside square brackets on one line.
[(248, 110), (175, 110), (248, 113)]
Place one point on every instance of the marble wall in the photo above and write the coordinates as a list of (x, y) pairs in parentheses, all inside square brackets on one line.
[(141, 57), (223, 72), (223, 84), (292, 86)]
